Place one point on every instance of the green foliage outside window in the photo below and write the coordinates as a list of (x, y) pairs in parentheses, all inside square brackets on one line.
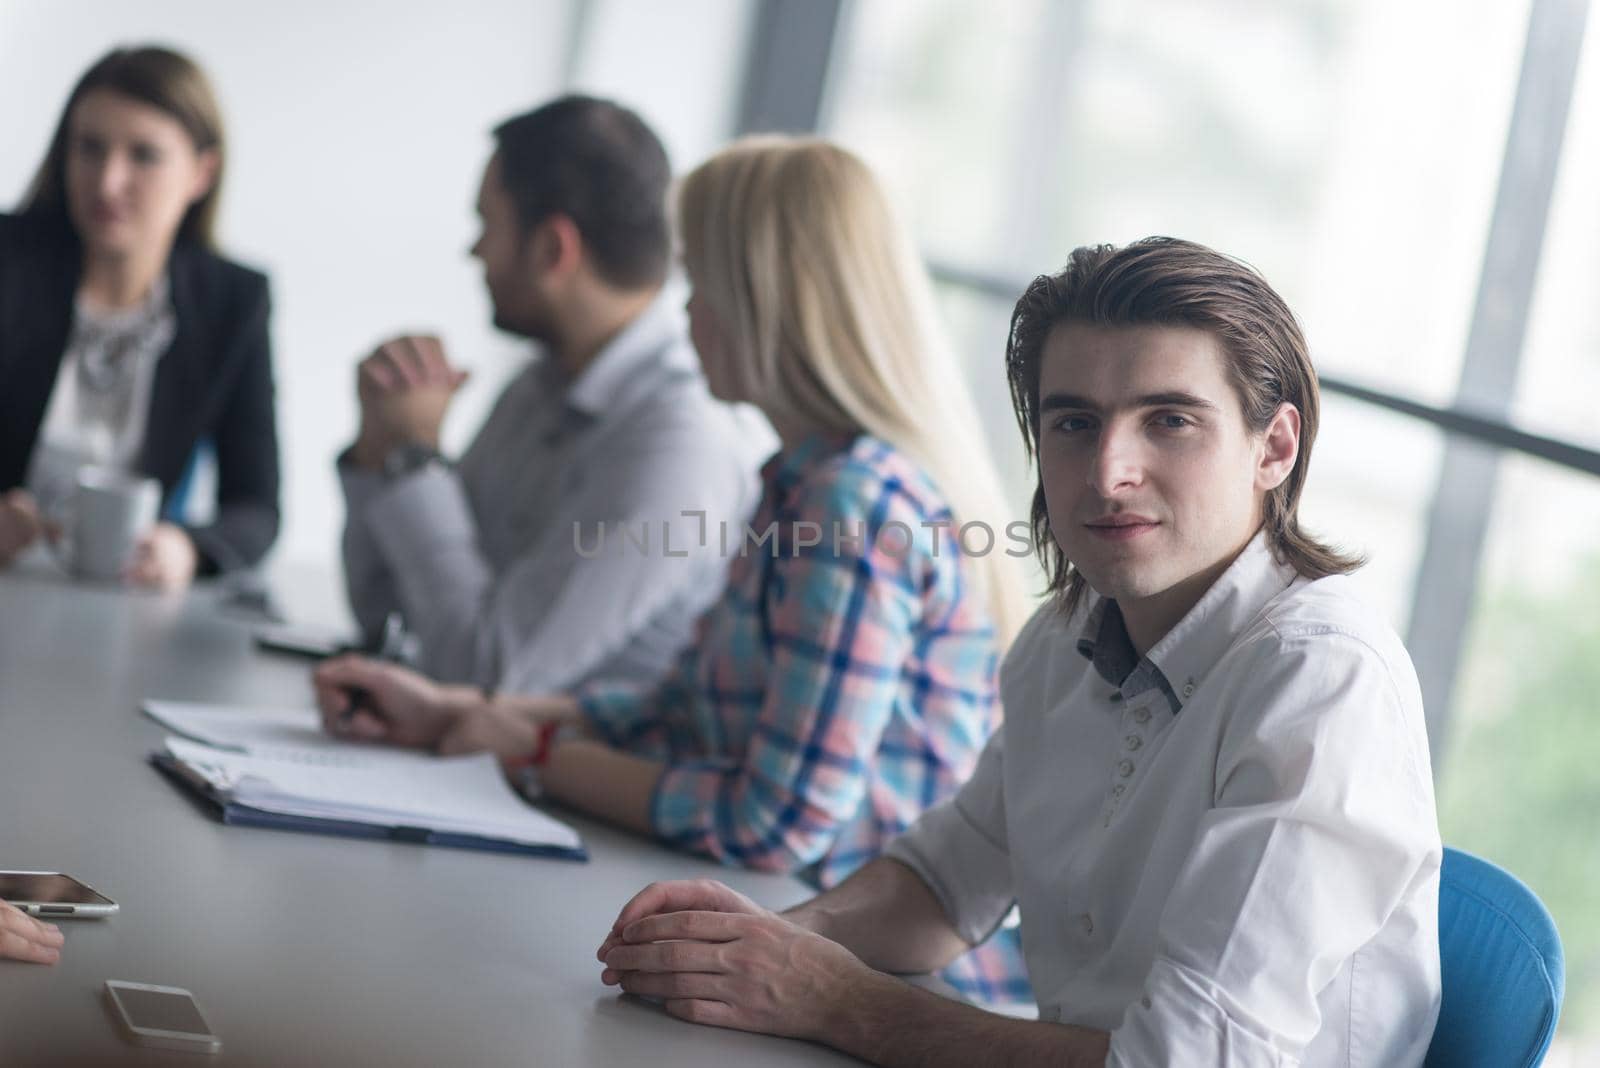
[(1521, 782)]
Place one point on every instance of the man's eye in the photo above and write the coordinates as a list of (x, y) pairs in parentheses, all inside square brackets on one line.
[(1072, 424), (1173, 421), (146, 154)]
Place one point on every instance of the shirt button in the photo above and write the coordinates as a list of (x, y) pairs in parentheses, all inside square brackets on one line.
[(1188, 691), (1125, 768), (1142, 716), (1117, 790), (1133, 741), (1087, 922), (1145, 1001)]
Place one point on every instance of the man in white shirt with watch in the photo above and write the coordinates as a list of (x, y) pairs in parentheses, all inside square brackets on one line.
[(1211, 799), (512, 567)]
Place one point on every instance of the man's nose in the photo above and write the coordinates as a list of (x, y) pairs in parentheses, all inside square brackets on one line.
[(1118, 462)]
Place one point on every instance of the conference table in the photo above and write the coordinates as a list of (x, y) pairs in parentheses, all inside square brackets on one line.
[(301, 949)]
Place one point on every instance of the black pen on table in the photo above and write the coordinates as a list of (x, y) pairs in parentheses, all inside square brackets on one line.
[(391, 647)]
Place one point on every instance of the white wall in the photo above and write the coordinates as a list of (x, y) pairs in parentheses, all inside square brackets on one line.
[(680, 65), (358, 132)]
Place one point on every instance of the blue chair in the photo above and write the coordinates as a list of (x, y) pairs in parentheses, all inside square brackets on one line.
[(1501, 969)]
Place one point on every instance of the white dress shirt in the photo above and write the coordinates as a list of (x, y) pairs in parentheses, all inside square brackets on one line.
[(1238, 868), (483, 559)]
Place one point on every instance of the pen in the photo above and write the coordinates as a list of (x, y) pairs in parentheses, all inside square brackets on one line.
[(391, 647), (358, 700)]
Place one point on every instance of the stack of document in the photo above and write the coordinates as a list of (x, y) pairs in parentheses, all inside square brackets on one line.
[(276, 768)]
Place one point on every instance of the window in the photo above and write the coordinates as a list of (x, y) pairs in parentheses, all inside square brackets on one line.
[(1560, 374), (1352, 151), (1348, 150), (1518, 782)]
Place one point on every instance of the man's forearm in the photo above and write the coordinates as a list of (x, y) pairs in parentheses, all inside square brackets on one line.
[(886, 915), (423, 526), (888, 1022)]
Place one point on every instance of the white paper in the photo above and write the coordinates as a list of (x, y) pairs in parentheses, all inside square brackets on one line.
[(279, 760), (244, 729)]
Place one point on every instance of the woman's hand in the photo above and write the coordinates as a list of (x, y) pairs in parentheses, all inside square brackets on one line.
[(20, 524), (508, 726), (497, 728), (24, 938), (164, 559)]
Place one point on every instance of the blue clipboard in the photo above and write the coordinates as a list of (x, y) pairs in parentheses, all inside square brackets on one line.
[(232, 812)]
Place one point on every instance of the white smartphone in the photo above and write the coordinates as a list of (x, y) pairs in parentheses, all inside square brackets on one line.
[(53, 895), (166, 1017)]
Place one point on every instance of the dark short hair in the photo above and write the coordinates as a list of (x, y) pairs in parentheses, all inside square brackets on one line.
[(166, 80), (1163, 281), (597, 163)]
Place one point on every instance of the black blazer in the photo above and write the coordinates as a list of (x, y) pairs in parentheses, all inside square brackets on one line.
[(213, 384)]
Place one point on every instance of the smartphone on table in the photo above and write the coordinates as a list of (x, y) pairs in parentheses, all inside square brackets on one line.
[(310, 642), (166, 1017), (53, 895)]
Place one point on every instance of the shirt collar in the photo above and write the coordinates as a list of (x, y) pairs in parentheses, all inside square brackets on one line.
[(1106, 644), (628, 366), (1180, 661), (788, 467)]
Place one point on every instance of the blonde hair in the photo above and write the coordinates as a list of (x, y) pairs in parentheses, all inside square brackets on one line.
[(794, 245)]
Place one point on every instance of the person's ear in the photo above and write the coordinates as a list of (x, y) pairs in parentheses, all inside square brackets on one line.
[(1280, 447), (208, 164), (556, 245)]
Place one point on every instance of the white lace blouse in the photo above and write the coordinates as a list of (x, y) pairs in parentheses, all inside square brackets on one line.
[(100, 404)]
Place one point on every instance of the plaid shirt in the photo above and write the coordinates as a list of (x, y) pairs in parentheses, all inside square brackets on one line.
[(844, 683)]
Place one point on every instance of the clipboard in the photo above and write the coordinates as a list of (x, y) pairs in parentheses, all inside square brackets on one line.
[(241, 815)]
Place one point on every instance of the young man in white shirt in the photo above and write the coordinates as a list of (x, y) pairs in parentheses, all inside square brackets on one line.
[(1211, 800)]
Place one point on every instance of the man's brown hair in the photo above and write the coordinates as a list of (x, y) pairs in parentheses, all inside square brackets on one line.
[(1163, 281)]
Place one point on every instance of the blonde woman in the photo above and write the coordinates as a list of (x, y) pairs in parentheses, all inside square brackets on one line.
[(846, 680)]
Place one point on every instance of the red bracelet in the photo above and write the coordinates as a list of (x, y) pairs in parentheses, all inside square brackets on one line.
[(545, 743)]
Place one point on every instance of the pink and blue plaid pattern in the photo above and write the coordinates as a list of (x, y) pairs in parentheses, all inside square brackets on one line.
[(835, 692)]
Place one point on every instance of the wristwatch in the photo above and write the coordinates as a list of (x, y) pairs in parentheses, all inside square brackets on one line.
[(410, 458)]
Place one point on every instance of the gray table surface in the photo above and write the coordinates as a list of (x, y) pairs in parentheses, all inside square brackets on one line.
[(301, 949)]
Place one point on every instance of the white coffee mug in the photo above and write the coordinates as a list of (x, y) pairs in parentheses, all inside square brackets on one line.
[(109, 512)]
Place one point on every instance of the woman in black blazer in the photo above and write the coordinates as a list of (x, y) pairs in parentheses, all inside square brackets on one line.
[(125, 340)]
